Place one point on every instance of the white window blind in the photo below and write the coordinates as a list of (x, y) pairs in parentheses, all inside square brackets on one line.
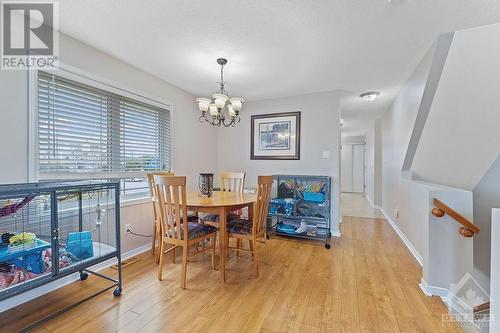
[(86, 132)]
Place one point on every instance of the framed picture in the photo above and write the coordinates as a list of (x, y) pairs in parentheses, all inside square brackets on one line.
[(275, 136)]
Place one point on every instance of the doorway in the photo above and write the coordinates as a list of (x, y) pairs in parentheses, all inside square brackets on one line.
[(353, 168), (353, 182)]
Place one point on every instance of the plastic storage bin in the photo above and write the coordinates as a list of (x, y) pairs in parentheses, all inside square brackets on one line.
[(285, 206), (29, 257), (80, 245), (314, 196)]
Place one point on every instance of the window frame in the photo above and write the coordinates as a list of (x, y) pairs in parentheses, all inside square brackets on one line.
[(83, 77)]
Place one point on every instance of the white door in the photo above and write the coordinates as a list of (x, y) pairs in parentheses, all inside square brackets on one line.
[(352, 168), (346, 168), (358, 168)]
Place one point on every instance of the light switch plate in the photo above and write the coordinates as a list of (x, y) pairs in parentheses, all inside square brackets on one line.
[(326, 154)]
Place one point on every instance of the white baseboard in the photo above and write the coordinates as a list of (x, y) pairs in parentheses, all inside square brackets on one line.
[(433, 291), (37, 292), (371, 203), (369, 200), (464, 317), (405, 240), (335, 233)]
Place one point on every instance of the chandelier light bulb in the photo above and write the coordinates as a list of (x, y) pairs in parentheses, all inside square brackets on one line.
[(220, 100), (231, 111), (236, 103), (213, 110), (203, 103)]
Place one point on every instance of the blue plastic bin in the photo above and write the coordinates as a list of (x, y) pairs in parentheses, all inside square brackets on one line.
[(284, 206), (317, 197), (80, 244), (29, 257)]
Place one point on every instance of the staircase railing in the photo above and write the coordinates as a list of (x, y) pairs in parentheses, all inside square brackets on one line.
[(482, 307), (468, 228)]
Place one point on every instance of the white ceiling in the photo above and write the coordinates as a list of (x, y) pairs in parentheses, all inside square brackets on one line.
[(275, 48)]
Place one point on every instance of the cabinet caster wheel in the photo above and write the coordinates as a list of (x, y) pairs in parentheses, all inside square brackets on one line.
[(83, 276), (117, 291), (268, 237), (327, 246)]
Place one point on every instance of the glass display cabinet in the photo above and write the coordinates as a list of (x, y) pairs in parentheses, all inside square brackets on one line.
[(49, 230), (300, 207)]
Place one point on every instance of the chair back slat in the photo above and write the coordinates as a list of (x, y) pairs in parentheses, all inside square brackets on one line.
[(171, 194), (151, 183), (264, 186), (232, 181)]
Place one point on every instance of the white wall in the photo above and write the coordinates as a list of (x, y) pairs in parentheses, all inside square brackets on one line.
[(461, 139), (449, 254), (460, 142), (14, 126), (320, 131), (377, 163), (486, 197), (353, 139), (189, 151), (444, 254), (495, 271), (396, 126), (370, 164)]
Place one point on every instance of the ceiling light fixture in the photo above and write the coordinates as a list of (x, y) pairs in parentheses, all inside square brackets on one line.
[(220, 100), (370, 96)]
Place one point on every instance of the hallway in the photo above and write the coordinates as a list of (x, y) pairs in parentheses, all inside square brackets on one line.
[(356, 205)]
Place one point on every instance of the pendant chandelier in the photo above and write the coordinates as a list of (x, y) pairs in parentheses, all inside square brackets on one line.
[(220, 104)]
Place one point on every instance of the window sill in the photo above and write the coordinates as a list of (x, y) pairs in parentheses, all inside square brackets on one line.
[(134, 201)]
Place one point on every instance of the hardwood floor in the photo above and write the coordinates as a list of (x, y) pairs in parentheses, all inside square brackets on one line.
[(367, 282), (357, 205)]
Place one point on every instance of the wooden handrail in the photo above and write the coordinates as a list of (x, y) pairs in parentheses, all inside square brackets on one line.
[(469, 229), (482, 307)]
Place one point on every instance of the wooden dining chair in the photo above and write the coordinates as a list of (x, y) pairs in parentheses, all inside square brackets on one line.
[(253, 228), (174, 226), (229, 182), (154, 200), (232, 181)]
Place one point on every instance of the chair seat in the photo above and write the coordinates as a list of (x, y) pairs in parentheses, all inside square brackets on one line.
[(195, 230), (240, 226), (215, 217), (192, 218)]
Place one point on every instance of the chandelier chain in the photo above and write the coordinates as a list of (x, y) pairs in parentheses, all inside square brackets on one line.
[(221, 83)]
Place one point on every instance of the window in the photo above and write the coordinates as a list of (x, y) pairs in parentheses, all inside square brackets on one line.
[(86, 132)]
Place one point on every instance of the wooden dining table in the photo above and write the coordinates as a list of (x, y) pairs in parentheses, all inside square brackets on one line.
[(221, 203)]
